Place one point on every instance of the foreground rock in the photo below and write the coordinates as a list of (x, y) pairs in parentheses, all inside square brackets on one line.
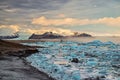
[(14, 68), (13, 65)]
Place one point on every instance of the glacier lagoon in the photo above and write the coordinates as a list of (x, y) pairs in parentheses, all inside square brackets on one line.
[(70, 60)]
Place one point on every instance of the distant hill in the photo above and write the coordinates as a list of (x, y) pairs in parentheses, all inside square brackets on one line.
[(51, 35), (15, 35), (46, 35), (82, 35)]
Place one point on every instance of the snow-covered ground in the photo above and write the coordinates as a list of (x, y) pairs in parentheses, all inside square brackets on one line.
[(78, 61)]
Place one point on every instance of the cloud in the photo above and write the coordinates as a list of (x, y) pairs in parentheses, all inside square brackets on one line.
[(109, 21), (65, 32), (73, 21), (61, 15), (66, 21), (34, 4), (11, 10), (19, 10), (48, 29), (8, 29)]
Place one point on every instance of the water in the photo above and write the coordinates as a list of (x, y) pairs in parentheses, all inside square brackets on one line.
[(96, 59)]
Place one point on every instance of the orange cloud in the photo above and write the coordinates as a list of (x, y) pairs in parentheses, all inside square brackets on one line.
[(8, 29), (73, 21), (65, 31), (61, 15), (49, 29), (110, 21)]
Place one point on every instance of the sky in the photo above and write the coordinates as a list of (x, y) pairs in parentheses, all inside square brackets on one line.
[(96, 17)]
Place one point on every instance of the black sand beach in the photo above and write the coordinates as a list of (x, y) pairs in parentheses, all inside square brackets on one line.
[(13, 65)]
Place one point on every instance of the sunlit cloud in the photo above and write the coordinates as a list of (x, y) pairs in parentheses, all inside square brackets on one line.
[(8, 29), (61, 15), (73, 21), (109, 21), (10, 10), (48, 29), (65, 32)]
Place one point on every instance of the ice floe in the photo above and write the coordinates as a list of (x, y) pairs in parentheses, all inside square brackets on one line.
[(94, 60)]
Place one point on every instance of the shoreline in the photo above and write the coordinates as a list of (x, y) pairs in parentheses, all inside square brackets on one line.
[(15, 67), (115, 39)]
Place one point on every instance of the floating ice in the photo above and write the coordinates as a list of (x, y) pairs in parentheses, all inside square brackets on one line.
[(95, 60)]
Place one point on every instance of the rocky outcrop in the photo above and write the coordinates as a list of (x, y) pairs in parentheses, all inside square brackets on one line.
[(75, 60), (47, 35), (51, 35), (15, 49), (82, 35)]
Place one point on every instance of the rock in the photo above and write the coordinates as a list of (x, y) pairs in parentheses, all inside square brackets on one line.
[(75, 60), (95, 78), (46, 35), (28, 52), (85, 35)]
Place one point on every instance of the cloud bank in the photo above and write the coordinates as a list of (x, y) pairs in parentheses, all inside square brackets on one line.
[(73, 21), (48, 29)]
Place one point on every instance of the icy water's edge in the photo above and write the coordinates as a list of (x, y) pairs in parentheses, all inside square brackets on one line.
[(96, 60)]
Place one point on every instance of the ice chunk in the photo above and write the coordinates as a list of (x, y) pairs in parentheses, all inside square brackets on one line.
[(76, 75)]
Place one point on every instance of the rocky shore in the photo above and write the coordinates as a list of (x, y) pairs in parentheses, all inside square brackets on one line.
[(13, 65)]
